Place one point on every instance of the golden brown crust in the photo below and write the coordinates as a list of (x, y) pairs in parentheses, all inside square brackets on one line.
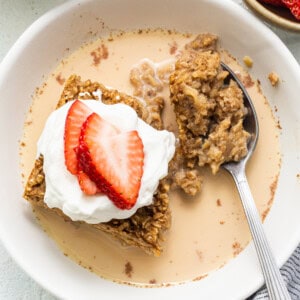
[(273, 78), (75, 88), (209, 114), (146, 227)]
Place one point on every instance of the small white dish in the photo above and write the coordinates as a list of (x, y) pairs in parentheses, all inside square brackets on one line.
[(36, 53)]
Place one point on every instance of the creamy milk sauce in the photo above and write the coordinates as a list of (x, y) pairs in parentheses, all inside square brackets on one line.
[(206, 231)]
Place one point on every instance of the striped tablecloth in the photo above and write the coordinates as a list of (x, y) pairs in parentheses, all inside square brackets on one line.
[(291, 274)]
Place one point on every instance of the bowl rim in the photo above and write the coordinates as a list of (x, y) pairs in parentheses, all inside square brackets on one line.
[(38, 26)]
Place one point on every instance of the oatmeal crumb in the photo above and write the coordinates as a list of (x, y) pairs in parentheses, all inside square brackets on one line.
[(219, 203), (189, 180), (247, 81), (236, 248), (273, 187), (248, 61), (128, 269), (199, 254), (222, 222), (173, 47), (99, 54), (273, 78), (199, 277), (265, 213), (152, 281), (278, 125), (60, 79)]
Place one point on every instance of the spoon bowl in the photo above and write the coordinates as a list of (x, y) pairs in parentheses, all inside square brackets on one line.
[(250, 122)]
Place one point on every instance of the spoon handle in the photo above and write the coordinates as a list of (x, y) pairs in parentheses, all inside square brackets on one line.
[(275, 284)]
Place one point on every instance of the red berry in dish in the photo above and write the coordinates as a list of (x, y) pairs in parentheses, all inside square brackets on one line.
[(114, 162), (289, 3), (77, 114), (273, 2), (294, 6), (295, 10)]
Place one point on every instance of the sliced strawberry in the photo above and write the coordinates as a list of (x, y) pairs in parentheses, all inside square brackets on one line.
[(273, 2), (77, 114), (115, 163), (86, 184), (289, 3), (294, 7), (295, 10)]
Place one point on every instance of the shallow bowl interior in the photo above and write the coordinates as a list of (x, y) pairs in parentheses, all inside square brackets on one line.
[(37, 52)]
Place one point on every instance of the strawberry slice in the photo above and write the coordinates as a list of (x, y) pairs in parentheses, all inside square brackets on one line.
[(273, 2), (88, 186), (290, 3), (115, 163), (295, 10), (294, 7), (77, 114)]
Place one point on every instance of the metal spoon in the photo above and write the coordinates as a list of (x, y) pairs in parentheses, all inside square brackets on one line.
[(274, 281)]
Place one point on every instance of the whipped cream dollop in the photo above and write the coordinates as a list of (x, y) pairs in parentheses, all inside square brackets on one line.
[(62, 188)]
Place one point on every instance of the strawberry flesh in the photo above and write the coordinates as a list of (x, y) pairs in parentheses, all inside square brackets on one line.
[(295, 10), (103, 158), (289, 3), (114, 162), (294, 7), (88, 186), (273, 2), (77, 114)]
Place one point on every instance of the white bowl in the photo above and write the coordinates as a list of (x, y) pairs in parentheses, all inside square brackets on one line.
[(67, 26)]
